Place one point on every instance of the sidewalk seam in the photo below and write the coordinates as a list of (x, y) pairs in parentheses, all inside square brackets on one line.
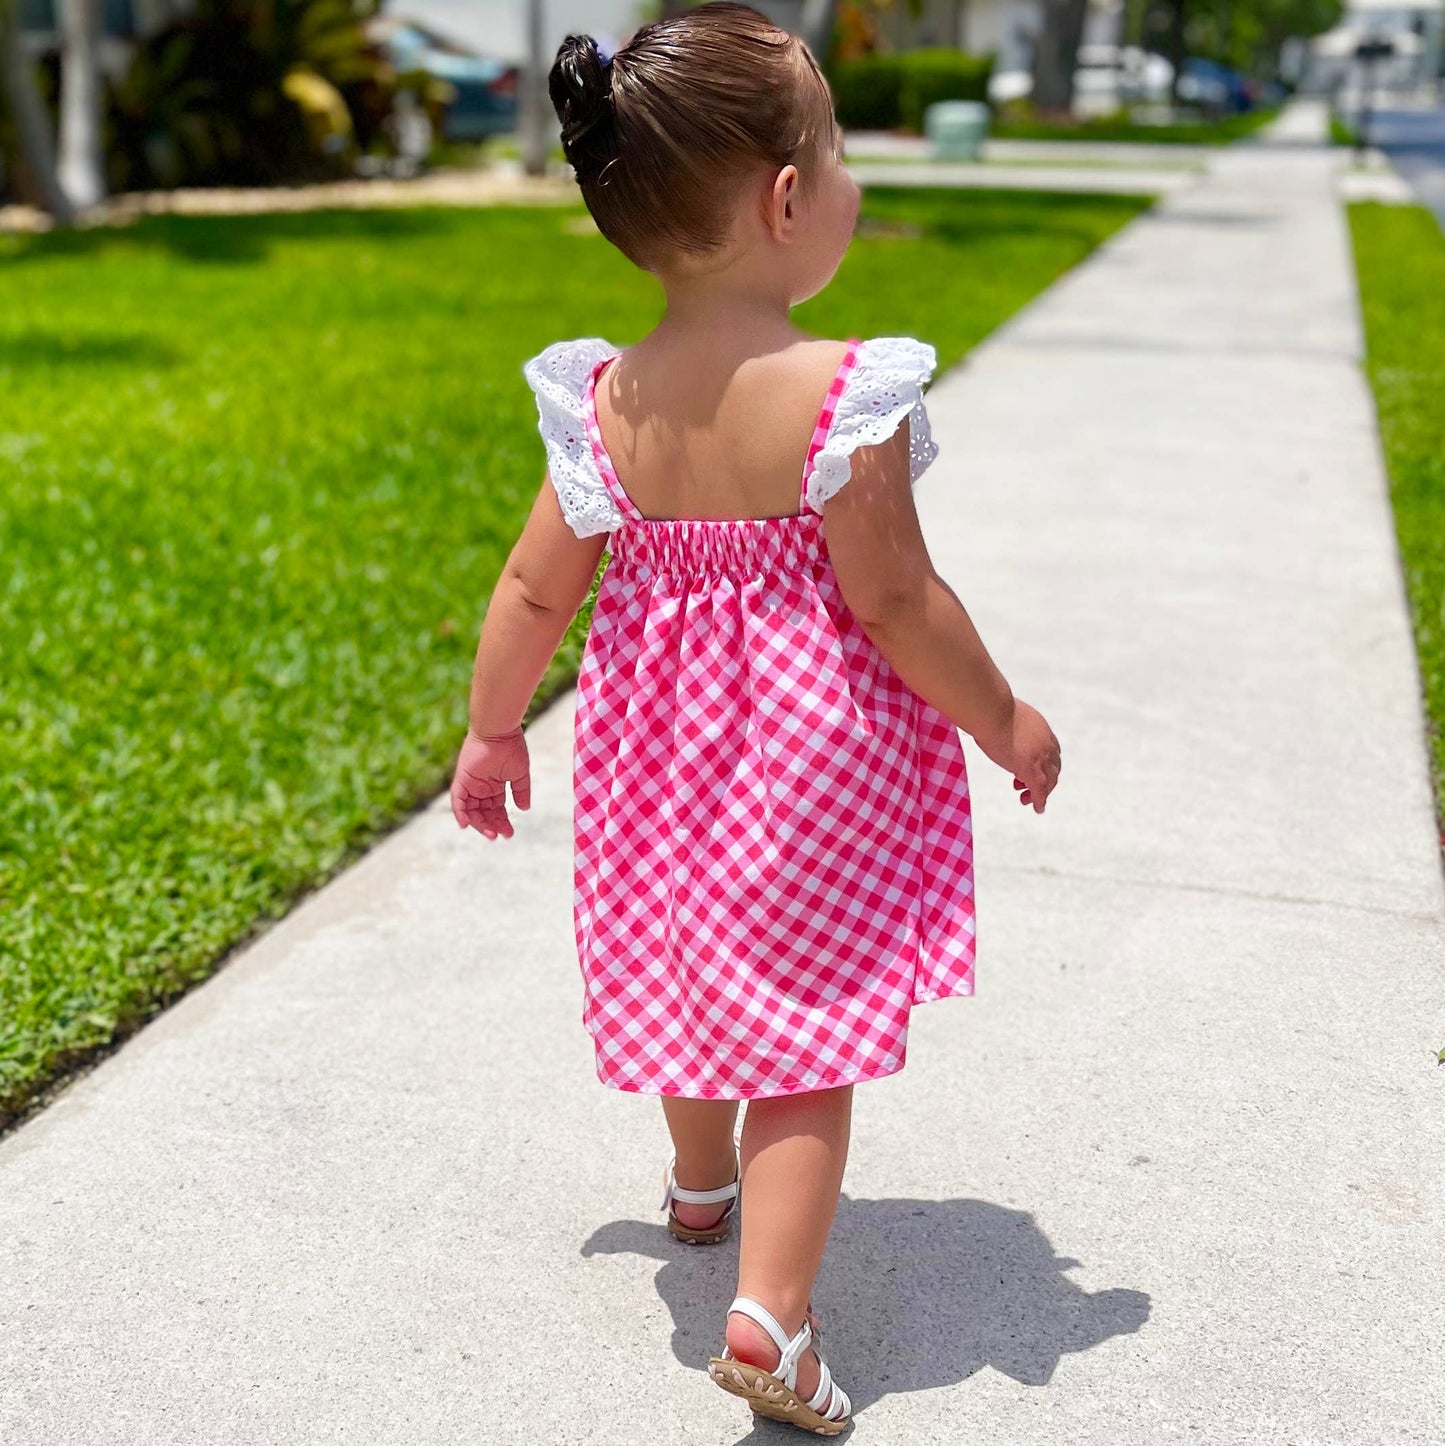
[(1221, 890)]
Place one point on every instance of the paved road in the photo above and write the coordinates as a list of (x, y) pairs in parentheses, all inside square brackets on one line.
[(1172, 1175), (1414, 140)]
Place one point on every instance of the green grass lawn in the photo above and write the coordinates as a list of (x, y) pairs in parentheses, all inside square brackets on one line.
[(259, 476), (1119, 128), (1400, 252)]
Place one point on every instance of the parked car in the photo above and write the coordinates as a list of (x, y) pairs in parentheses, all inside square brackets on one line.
[(1214, 87), (484, 102)]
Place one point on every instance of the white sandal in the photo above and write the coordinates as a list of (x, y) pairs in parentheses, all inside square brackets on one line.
[(721, 1228), (772, 1393)]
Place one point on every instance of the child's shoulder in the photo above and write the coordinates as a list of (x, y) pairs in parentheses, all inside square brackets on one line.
[(864, 359), (564, 367), (560, 372), (878, 390)]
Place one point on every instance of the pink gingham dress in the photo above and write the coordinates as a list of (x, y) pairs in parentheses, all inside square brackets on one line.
[(774, 857)]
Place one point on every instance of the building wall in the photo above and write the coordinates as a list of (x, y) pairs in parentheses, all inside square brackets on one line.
[(1005, 27), (1421, 29)]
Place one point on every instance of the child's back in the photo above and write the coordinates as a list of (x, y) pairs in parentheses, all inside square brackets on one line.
[(715, 433)]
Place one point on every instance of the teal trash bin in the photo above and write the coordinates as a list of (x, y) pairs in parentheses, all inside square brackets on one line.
[(957, 129)]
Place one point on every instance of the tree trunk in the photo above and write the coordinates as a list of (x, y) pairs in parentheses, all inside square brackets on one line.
[(960, 24), (820, 17), (27, 111), (1057, 53), (82, 169), (1174, 45), (533, 95)]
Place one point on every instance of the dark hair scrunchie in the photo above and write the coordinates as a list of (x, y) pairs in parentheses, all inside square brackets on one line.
[(580, 85)]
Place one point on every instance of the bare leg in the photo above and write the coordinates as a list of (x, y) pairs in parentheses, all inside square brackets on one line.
[(794, 1149), (702, 1135)]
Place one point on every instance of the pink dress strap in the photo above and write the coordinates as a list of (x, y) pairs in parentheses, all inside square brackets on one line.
[(599, 452), (825, 419)]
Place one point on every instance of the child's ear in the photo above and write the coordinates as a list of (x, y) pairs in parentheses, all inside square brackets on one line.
[(783, 210)]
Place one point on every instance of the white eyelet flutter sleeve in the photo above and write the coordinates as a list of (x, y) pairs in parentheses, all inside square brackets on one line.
[(558, 377), (884, 387)]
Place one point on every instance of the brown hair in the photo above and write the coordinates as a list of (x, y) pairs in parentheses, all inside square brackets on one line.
[(659, 135)]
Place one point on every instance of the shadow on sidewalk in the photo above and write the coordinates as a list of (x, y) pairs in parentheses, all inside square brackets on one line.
[(913, 1294)]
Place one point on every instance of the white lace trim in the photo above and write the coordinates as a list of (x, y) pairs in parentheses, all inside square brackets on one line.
[(558, 376), (884, 386)]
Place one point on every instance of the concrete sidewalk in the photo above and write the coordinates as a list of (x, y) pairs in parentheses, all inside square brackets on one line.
[(880, 158), (1174, 1174), (966, 175)]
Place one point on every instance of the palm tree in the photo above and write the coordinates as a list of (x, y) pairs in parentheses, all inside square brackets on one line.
[(27, 110)]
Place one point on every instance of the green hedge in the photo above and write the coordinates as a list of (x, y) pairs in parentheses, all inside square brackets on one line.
[(866, 92), (930, 76), (885, 91)]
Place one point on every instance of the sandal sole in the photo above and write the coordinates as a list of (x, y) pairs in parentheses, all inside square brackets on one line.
[(769, 1397), (698, 1237)]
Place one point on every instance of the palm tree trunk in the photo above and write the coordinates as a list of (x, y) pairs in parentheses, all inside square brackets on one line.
[(32, 125), (82, 170)]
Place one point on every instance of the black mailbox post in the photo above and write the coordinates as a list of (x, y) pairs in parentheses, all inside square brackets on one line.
[(1369, 53)]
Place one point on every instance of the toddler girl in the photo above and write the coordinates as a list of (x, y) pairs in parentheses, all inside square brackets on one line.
[(773, 855)]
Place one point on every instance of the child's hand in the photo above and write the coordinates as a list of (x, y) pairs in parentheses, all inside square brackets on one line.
[(479, 787), (1035, 756)]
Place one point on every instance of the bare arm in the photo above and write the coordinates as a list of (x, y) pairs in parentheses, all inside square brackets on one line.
[(546, 579), (544, 583), (918, 623)]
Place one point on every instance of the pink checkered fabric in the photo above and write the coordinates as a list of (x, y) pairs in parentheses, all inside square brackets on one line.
[(774, 855)]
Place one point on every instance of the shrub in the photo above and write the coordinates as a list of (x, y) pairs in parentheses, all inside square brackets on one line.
[(885, 90), (244, 92), (867, 92), (930, 76)]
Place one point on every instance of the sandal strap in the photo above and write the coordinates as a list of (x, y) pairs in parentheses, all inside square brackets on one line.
[(705, 1197), (789, 1351), (824, 1393), (674, 1191), (830, 1400)]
